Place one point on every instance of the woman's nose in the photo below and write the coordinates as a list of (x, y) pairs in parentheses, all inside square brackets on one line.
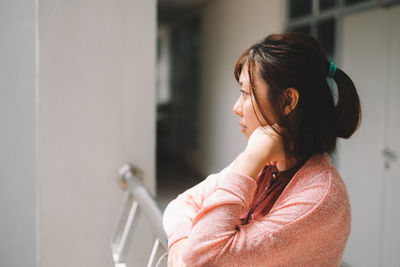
[(237, 107)]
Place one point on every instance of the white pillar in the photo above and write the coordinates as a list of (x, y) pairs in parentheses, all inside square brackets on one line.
[(73, 112), (17, 134)]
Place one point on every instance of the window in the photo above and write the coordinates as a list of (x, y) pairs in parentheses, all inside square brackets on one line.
[(299, 8), (321, 17), (352, 2), (326, 35), (326, 4)]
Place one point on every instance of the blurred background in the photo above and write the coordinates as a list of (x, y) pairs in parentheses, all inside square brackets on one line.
[(86, 86)]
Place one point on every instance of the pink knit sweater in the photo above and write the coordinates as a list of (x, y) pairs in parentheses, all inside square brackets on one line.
[(308, 225)]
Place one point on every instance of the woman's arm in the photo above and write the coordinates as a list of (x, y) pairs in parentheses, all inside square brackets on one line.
[(182, 214), (179, 214), (175, 254), (217, 223), (218, 238)]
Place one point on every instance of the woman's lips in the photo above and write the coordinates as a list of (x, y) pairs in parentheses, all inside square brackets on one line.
[(243, 127)]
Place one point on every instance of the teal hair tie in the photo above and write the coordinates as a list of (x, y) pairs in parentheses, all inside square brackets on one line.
[(332, 70)]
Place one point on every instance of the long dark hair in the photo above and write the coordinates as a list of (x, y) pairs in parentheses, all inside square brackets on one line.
[(297, 60)]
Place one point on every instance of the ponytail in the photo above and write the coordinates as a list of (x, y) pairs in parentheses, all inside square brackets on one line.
[(348, 109)]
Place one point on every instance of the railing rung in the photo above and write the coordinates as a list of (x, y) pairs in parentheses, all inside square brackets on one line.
[(143, 202)]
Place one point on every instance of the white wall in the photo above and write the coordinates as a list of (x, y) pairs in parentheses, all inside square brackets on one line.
[(228, 28), (96, 110), (17, 134)]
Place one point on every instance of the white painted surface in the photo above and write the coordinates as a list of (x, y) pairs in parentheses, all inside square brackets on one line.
[(228, 28), (70, 116), (391, 231), (17, 134), (96, 110), (370, 56)]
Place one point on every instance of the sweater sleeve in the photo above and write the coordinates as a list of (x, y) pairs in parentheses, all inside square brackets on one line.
[(218, 237), (180, 212)]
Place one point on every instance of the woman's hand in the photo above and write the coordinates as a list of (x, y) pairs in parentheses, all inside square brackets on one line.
[(175, 253), (264, 146)]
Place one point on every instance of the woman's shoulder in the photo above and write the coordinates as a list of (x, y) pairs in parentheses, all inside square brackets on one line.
[(316, 192), (317, 175), (312, 213)]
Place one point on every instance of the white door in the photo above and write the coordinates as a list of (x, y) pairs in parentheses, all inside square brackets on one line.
[(391, 178), (370, 55)]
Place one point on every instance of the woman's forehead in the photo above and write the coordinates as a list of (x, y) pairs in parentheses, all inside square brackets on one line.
[(244, 75), (244, 79)]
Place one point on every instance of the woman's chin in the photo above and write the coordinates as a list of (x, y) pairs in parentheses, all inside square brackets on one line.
[(247, 136), (245, 132)]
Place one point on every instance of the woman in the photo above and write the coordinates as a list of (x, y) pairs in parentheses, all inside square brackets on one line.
[(280, 202)]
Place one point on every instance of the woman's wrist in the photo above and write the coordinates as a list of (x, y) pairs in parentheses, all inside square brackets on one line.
[(175, 254), (249, 164)]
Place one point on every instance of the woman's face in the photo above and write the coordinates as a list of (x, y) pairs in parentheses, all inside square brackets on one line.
[(244, 107)]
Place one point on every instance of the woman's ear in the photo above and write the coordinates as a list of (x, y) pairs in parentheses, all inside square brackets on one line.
[(291, 98)]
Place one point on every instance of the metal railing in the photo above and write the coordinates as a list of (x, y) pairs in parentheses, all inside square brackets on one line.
[(137, 199)]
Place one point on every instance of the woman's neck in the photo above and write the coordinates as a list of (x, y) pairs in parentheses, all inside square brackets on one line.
[(282, 165)]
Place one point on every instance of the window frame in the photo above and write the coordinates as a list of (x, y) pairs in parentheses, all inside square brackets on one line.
[(336, 12)]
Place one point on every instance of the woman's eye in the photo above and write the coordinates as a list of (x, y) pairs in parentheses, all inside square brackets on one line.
[(243, 93)]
